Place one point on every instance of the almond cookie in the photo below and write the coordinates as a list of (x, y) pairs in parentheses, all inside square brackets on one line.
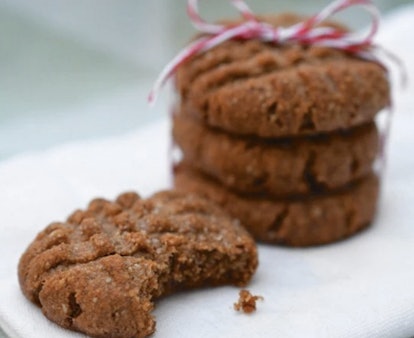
[(311, 220), (100, 271), (268, 90), (277, 167)]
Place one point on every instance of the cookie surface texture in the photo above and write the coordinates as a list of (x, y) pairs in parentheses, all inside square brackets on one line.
[(100, 271), (279, 168), (309, 220), (257, 88)]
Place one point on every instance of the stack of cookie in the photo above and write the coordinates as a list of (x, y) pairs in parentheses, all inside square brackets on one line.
[(282, 137)]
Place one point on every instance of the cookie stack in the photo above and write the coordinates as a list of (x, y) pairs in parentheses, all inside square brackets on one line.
[(283, 137)]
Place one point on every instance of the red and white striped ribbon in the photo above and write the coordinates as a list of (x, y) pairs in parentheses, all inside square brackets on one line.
[(306, 32)]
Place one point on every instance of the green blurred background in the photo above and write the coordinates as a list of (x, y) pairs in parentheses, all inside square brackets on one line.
[(79, 69)]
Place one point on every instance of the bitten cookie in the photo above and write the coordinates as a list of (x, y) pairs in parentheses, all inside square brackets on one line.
[(267, 90), (310, 220), (277, 167), (100, 271)]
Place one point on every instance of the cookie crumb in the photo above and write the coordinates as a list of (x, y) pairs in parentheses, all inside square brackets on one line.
[(247, 302)]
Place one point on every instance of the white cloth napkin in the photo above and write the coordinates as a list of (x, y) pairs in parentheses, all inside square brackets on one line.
[(362, 287)]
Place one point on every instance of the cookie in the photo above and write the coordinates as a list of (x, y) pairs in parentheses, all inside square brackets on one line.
[(100, 271), (312, 220), (268, 90), (277, 167)]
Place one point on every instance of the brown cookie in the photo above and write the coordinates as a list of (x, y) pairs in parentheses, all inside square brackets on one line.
[(100, 271), (277, 167), (306, 221), (268, 90)]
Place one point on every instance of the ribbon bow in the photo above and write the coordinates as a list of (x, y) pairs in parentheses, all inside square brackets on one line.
[(306, 32)]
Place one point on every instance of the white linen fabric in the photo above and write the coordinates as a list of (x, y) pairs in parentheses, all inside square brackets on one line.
[(361, 287)]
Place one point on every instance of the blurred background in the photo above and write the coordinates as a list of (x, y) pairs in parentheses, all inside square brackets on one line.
[(80, 69)]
